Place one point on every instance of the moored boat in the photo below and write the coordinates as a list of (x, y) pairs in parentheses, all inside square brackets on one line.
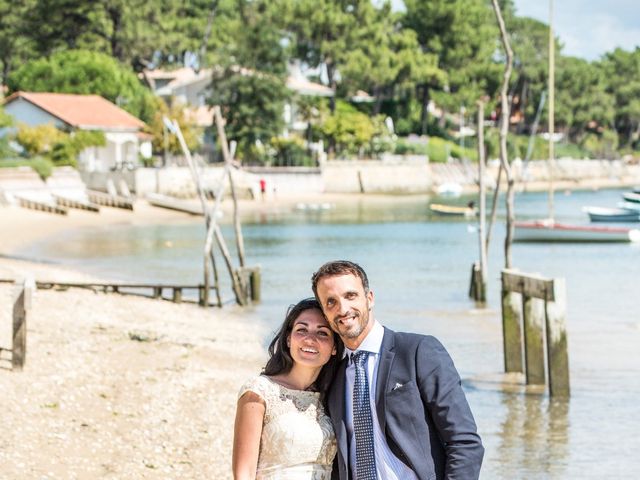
[(453, 210), (631, 197), (548, 231), (600, 214)]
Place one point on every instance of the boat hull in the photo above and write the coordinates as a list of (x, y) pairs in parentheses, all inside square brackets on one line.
[(598, 214), (452, 211), (541, 231)]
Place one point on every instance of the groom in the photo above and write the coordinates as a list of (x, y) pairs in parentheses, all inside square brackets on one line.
[(396, 403)]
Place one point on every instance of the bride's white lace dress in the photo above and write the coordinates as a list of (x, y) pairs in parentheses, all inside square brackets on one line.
[(297, 437)]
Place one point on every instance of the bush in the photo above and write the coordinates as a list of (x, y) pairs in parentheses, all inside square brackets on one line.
[(355, 133), (43, 166), (290, 152)]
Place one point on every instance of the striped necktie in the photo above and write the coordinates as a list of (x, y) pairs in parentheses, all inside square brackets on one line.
[(362, 421)]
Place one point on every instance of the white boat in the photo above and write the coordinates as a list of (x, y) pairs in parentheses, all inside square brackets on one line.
[(449, 189), (453, 210), (549, 231), (631, 197), (629, 206), (599, 214)]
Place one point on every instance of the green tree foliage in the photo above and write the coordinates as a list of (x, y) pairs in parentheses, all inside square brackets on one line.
[(59, 147), (57, 24), (251, 88), (529, 40), (354, 132), (463, 35), (84, 72), (622, 71), (582, 103), (163, 139), (385, 57), (14, 45), (322, 29)]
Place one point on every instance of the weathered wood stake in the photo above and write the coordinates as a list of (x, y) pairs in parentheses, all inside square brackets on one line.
[(533, 320), (512, 331), (22, 305), (557, 348)]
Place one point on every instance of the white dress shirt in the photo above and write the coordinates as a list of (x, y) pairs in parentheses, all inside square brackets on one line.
[(388, 466)]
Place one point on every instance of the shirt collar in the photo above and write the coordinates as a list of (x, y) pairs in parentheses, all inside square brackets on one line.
[(371, 343)]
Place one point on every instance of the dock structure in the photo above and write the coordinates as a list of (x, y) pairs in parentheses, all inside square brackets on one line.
[(152, 290), (108, 200), (62, 201), (37, 204), (533, 322)]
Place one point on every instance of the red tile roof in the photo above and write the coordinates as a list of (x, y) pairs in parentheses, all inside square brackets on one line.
[(81, 111)]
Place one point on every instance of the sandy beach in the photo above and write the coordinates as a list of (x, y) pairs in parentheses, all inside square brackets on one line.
[(116, 386)]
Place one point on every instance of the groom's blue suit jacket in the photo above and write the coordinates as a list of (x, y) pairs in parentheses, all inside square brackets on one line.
[(421, 408)]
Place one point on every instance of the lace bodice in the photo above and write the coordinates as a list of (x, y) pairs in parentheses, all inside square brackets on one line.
[(297, 437)]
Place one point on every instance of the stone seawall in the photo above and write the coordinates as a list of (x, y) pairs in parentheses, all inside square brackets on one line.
[(388, 176)]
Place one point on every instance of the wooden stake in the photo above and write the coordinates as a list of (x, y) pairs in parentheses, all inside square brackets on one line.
[(512, 331), (557, 348), (23, 294), (533, 320)]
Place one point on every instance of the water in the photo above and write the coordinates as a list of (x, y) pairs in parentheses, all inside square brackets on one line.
[(419, 268)]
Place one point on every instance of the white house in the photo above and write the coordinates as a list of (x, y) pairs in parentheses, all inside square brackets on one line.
[(126, 141), (190, 88)]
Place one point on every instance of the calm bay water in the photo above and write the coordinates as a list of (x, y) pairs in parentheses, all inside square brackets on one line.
[(419, 268)]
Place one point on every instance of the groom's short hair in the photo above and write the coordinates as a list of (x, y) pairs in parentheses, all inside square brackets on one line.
[(339, 267)]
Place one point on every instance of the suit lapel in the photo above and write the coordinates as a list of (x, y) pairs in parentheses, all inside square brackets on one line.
[(387, 353), (336, 409)]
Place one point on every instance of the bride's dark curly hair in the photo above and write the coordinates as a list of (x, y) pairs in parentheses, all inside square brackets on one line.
[(280, 360)]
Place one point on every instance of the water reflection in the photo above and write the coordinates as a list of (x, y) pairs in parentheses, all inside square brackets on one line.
[(534, 437)]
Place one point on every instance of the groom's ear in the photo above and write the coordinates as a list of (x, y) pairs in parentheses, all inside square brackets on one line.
[(371, 299)]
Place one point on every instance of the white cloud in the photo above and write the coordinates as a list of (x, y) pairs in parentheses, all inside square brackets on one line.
[(588, 29)]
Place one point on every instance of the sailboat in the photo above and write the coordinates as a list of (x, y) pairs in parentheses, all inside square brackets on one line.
[(548, 230)]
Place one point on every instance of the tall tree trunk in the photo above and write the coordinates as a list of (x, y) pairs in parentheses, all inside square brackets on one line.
[(424, 114), (332, 83), (377, 106), (504, 129)]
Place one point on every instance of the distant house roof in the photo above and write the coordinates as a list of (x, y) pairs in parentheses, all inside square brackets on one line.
[(160, 80), (306, 87), (81, 111)]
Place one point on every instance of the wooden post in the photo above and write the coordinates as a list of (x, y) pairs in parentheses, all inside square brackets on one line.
[(533, 321), (256, 277), (512, 331), (557, 348), (483, 266), (157, 292), (477, 288), (201, 296), (177, 295), (21, 307)]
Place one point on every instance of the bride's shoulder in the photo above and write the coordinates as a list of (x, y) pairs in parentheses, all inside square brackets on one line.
[(259, 385)]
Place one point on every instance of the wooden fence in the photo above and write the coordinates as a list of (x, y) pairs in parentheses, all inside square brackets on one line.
[(533, 322)]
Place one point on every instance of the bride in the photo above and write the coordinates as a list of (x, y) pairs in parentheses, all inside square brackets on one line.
[(281, 428)]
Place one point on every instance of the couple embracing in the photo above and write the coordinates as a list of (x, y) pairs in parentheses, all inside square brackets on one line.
[(344, 397)]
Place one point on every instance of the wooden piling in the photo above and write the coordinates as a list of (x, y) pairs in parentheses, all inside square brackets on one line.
[(21, 306), (157, 292), (557, 348), (533, 321), (512, 331), (177, 295), (477, 287), (256, 287)]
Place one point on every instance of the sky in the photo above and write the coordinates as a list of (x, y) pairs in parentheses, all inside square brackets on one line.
[(586, 28), (589, 28)]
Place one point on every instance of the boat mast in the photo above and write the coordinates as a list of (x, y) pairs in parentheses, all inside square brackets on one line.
[(551, 108)]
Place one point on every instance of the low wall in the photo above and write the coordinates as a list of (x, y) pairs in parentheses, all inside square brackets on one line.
[(377, 176), (390, 175)]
